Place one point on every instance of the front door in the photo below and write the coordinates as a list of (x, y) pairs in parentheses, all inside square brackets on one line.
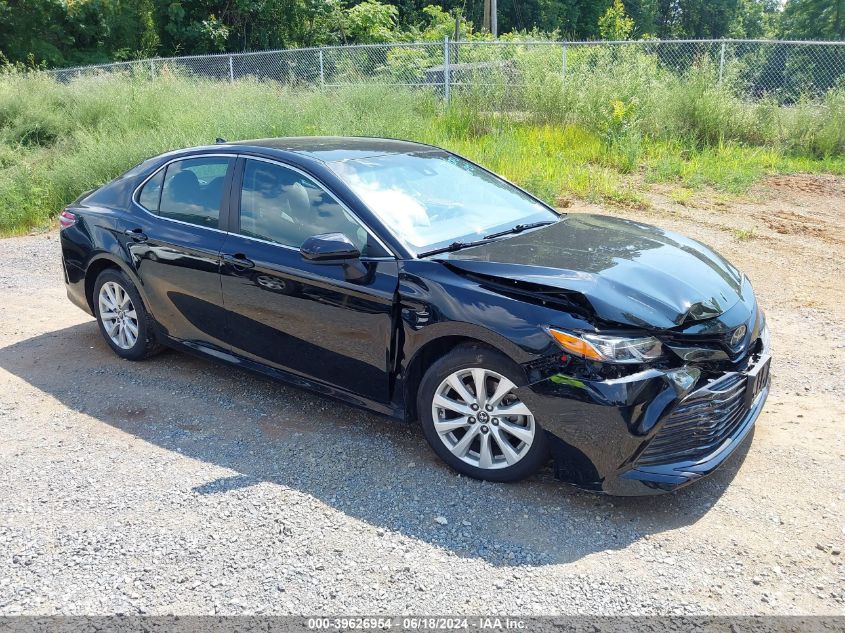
[(326, 322)]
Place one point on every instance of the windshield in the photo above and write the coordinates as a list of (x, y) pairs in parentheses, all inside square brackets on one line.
[(431, 199)]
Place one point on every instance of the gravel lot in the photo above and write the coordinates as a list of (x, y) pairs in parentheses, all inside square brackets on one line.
[(180, 486)]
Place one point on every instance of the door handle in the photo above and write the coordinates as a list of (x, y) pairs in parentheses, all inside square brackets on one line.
[(136, 234), (238, 260)]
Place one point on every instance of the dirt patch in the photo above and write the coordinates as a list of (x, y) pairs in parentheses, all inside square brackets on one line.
[(804, 187)]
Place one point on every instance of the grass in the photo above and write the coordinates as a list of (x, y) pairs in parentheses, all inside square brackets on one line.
[(605, 141), (682, 196), (744, 235)]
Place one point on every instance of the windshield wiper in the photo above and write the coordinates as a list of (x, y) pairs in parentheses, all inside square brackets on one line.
[(519, 228), (454, 246)]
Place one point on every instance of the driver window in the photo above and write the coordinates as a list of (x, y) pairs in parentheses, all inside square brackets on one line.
[(280, 205)]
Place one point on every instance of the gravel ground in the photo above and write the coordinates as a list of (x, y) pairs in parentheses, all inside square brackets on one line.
[(180, 486)]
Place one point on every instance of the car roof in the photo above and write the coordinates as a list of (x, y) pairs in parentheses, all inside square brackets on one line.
[(336, 148)]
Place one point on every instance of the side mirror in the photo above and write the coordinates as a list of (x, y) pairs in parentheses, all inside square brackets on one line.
[(329, 248)]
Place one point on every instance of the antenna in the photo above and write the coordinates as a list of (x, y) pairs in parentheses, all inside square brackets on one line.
[(219, 140)]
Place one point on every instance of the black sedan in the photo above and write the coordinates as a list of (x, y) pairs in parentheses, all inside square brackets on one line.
[(402, 278)]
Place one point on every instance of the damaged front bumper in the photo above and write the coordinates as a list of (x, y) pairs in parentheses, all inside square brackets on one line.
[(650, 432)]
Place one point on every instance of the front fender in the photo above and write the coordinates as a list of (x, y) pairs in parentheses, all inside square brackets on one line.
[(435, 302), (437, 309), (417, 339)]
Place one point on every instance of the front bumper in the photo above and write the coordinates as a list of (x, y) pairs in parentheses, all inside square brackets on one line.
[(665, 477), (650, 432)]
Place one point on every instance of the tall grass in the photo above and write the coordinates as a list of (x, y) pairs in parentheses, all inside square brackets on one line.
[(594, 136)]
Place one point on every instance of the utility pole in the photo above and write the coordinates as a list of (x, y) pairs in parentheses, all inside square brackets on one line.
[(485, 20), (457, 36), (446, 70), (490, 20)]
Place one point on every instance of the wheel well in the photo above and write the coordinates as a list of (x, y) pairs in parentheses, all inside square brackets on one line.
[(94, 270), (425, 358)]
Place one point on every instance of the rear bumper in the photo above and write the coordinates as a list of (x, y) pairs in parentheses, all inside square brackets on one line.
[(75, 285), (648, 433)]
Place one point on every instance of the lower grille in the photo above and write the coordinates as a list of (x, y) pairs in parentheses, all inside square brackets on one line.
[(699, 424)]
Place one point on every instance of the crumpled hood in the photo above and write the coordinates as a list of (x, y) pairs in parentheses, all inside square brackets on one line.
[(630, 273)]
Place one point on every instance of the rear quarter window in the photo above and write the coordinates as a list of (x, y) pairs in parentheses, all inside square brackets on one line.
[(150, 193), (117, 192)]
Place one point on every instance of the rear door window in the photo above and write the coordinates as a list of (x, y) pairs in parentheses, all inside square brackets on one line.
[(192, 190)]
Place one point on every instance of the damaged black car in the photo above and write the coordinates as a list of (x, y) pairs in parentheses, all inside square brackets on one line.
[(404, 279)]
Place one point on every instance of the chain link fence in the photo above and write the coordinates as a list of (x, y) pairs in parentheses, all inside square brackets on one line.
[(784, 71)]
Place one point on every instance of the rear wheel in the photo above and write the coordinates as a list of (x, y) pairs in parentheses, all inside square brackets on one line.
[(123, 320), (474, 419)]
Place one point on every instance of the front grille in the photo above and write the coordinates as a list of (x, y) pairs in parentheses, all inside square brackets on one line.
[(697, 348), (699, 424)]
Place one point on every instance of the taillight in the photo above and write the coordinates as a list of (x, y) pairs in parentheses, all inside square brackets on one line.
[(67, 219)]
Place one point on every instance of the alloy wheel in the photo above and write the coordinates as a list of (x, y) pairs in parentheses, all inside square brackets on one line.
[(118, 315), (480, 420)]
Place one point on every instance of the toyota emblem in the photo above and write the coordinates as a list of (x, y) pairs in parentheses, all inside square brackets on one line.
[(738, 335)]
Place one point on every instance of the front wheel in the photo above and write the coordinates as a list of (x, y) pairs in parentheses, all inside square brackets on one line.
[(474, 420)]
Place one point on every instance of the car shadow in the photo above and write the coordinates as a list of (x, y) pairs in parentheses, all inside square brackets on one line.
[(367, 466)]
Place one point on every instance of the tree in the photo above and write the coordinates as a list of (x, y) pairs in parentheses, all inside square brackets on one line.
[(149, 41), (577, 18), (33, 30), (615, 24), (370, 21), (755, 19), (67, 32), (814, 19), (711, 19)]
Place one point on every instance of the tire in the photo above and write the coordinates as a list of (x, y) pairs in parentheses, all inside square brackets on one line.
[(516, 444), (130, 333)]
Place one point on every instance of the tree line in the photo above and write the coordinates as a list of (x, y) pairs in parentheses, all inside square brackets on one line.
[(68, 32)]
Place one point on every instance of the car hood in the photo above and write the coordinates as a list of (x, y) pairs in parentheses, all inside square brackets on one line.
[(629, 273)]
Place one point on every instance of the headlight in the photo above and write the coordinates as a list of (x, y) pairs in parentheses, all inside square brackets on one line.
[(609, 349)]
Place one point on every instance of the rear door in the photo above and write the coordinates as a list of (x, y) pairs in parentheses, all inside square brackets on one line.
[(327, 322), (176, 245)]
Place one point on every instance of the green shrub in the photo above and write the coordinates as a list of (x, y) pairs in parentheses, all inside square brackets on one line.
[(612, 113)]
